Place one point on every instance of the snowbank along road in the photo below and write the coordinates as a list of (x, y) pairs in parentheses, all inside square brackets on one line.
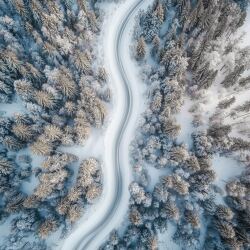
[(90, 234)]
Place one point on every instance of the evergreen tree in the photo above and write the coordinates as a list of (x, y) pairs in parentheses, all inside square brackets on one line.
[(140, 49)]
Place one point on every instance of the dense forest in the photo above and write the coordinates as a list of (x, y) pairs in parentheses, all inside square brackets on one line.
[(188, 50), (47, 55)]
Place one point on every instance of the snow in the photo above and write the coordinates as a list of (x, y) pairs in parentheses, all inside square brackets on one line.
[(246, 28), (203, 229), (54, 240), (93, 147), (165, 26), (155, 175), (29, 186), (184, 117), (226, 168), (165, 239), (9, 109), (5, 228)]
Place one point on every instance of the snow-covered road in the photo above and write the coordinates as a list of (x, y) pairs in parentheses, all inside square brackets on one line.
[(127, 92)]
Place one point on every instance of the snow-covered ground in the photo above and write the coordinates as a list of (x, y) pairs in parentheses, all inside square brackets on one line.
[(9, 109), (225, 168), (184, 117), (155, 175), (5, 228), (165, 239)]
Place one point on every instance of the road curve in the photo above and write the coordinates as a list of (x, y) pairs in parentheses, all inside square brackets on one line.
[(85, 243)]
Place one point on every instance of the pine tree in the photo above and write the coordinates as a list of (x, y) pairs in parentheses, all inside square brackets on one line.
[(24, 89), (74, 213), (23, 132), (192, 164), (156, 45), (223, 212), (70, 108), (47, 227), (93, 192), (82, 61), (6, 166), (31, 202), (12, 143), (170, 211), (232, 78), (236, 189), (159, 12), (82, 133), (224, 104), (135, 217), (15, 204), (45, 99), (65, 83), (52, 133), (102, 74), (193, 218), (41, 147), (171, 128), (74, 194), (225, 229), (140, 48)]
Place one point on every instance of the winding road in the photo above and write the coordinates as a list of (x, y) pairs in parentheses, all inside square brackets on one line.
[(113, 45), (99, 228)]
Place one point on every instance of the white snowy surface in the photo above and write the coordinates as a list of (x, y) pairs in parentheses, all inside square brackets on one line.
[(184, 117), (246, 28), (9, 109), (155, 175), (226, 168), (114, 15), (93, 147), (29, 186), (165, 239)]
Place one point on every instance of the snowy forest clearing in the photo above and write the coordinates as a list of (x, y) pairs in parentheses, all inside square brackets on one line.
[(165, 239), (226, 169)]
